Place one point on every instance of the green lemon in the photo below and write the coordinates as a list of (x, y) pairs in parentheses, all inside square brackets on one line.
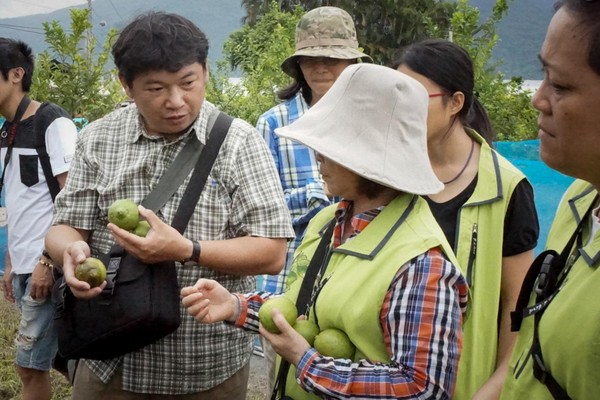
[(142, 228), (284, 305), (92, 271), (124, 213), (308, 329), (334, 343)]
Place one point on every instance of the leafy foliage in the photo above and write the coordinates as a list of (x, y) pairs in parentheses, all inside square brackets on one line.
[(72, 74), (507, 103), (257, 51), (383, 26)]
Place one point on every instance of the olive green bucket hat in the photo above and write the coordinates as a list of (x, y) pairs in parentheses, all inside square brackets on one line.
[(324, 32)]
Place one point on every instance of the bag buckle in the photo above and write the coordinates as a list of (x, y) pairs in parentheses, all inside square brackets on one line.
[(111, 276), (544, 275)]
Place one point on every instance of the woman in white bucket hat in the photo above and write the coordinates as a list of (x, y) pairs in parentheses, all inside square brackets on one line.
[(389, 279), (326, 43)]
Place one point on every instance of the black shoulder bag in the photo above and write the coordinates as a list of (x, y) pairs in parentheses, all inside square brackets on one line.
[(548, 270), (140, 303), (317, 265)]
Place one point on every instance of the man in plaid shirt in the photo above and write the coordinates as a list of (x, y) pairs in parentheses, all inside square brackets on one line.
[(239, 227)]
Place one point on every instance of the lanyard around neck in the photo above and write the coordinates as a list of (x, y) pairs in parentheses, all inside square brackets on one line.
[(25, 101)]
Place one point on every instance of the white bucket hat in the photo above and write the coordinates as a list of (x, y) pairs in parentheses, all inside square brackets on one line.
[(373, 121)]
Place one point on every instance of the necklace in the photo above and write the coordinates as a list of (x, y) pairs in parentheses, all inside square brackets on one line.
[(465, 166)]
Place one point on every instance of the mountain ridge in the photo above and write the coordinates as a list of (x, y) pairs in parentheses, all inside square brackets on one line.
[(521, 32)]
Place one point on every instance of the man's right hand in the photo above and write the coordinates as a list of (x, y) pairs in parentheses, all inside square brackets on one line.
[(74, 254)]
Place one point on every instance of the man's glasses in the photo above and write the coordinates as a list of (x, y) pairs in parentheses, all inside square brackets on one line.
[(313, 61)]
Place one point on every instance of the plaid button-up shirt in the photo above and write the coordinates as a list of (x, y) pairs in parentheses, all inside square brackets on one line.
[(299, 175), (116, 159)]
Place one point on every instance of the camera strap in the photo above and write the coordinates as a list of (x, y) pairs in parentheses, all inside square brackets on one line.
[(545, 277)]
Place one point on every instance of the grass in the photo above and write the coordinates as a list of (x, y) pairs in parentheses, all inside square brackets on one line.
[(10, 384)]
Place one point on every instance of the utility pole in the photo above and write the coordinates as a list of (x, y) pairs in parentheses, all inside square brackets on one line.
[(89, 30)]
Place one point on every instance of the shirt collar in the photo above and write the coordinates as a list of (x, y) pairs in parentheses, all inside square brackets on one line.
[(358, 222)]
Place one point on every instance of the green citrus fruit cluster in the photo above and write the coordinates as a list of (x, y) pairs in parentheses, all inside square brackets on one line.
[(142, 228), (334, 343), (124, 213), (92, 271), (308, 329), (284, 305)]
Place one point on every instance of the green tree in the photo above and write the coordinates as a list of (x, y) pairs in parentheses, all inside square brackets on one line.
[(382, 26), (250, 51), (72, 74), (258, 58), (506, 101)]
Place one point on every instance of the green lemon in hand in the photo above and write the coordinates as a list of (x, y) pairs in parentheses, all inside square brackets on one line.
[(142, 228), (92, 271), (284, 305), (334, 343), (124, 213), (308, 329)]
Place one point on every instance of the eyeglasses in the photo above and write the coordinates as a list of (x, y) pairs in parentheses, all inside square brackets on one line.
[(313, 61), (439, 94)]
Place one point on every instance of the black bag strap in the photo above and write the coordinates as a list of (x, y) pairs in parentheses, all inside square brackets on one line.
[(21, 108), (549, 271), (315, 267), (44, 116), (204, 166), (179, 169)]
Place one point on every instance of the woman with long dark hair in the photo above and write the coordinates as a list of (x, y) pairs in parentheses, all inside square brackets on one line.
[(486, 210)]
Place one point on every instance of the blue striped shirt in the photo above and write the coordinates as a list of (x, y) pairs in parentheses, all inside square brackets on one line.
[(299, 175)]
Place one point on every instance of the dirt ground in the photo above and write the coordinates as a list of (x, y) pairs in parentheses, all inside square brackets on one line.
[(258, 379)]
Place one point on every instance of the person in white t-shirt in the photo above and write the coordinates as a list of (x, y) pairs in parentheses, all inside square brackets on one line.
[(28, 200)]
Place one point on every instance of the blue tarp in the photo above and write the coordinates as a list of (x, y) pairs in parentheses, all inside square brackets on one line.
[(548, 184)]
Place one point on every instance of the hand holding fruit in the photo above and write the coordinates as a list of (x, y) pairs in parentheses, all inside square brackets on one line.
[(124, 213), (289, 344), (77, 253), (161, 241)]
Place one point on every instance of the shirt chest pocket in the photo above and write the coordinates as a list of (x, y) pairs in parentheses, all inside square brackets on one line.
[(28, 169)]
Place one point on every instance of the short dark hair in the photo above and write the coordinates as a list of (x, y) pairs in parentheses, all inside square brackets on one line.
[(14, 54), (449, 66), (158, 41), (588, 13)]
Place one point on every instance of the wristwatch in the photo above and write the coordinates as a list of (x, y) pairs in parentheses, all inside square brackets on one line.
[(196, 250)]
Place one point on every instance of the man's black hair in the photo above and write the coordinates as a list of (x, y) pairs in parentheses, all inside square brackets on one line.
[(158, 41), (15, 54)]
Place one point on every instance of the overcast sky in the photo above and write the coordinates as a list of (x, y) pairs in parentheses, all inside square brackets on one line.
[(19, 8)]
